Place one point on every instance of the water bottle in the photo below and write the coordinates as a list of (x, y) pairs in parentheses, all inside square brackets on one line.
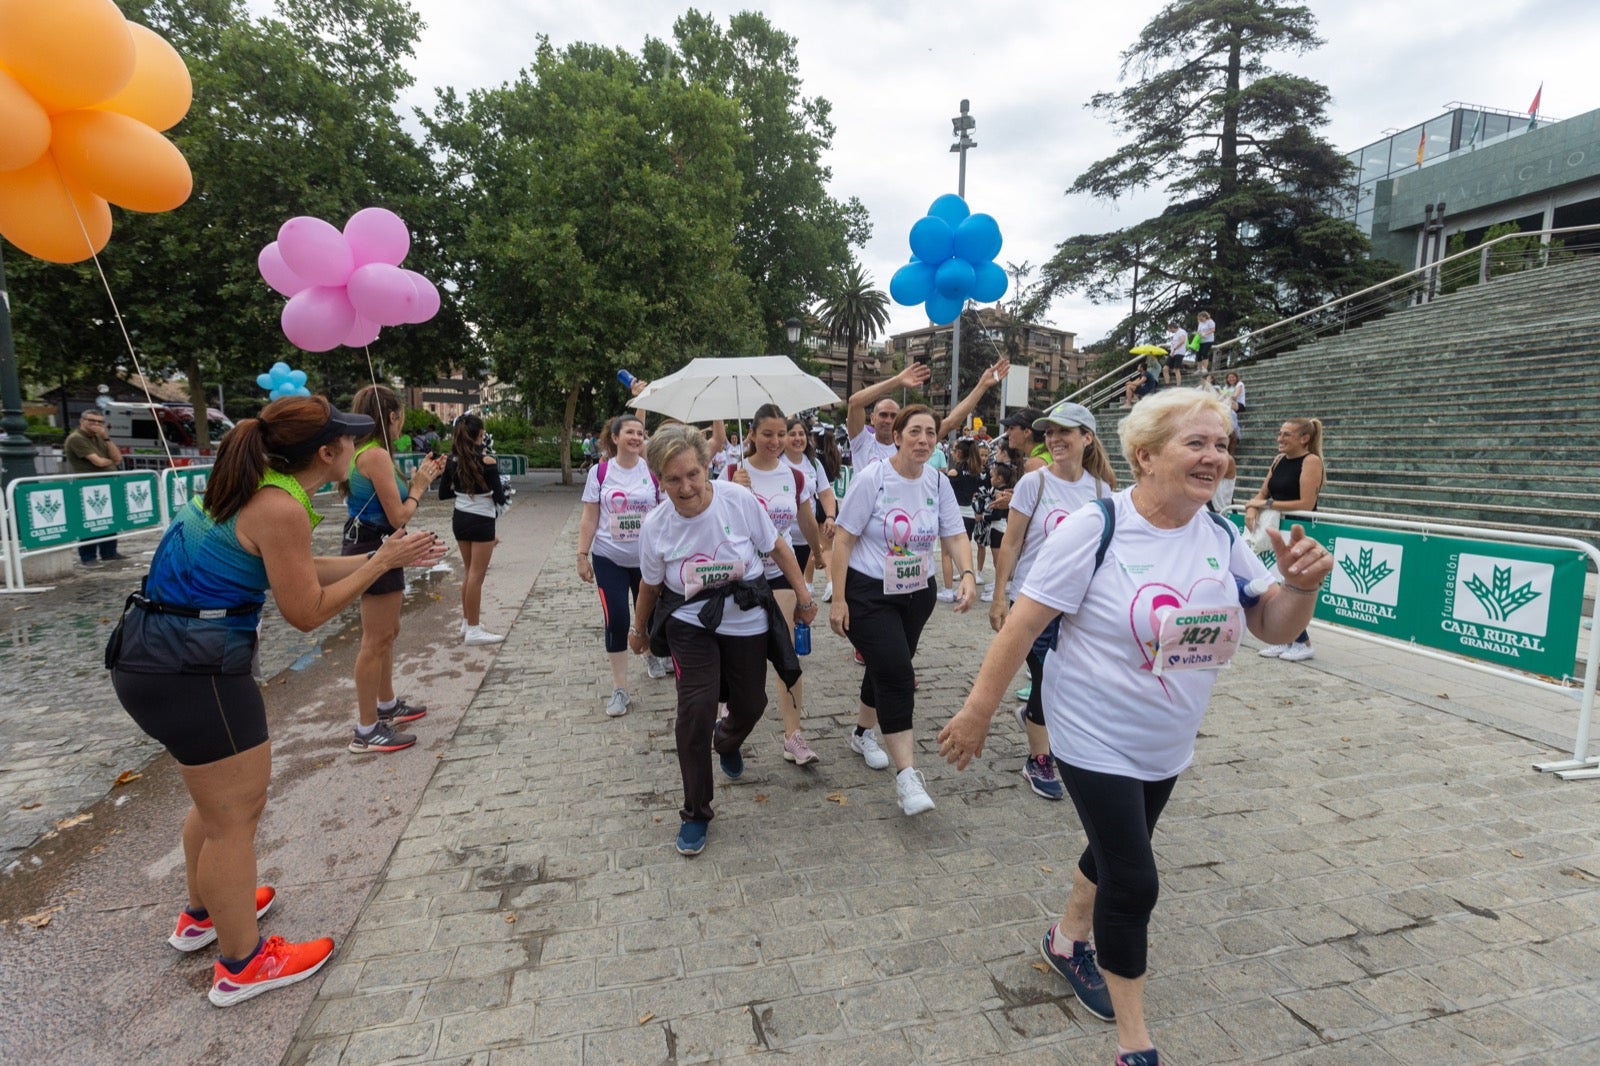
[(626, 378), (802, 638)]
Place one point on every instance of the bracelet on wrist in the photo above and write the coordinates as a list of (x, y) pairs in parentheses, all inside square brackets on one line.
[(1304, 592), (371, 554)]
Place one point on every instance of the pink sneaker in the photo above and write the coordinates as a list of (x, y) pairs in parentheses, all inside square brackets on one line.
[(796, 750)]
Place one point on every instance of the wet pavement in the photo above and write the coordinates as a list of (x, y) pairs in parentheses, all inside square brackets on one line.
[(1361, 867)]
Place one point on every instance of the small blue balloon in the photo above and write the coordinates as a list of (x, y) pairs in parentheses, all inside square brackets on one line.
[(991, 283), (302, 390), (266, 382), (977, 239), (954, 279), (279, 370), (942, 310), (297, 378), (911, 284), (951, 208), (930, 239)]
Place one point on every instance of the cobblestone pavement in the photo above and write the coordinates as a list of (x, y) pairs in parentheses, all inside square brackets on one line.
[(1350, 875), (63, 737)]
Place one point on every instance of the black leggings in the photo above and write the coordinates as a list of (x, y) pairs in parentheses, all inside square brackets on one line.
[(619, 586), (885, 630), (1119, 817)]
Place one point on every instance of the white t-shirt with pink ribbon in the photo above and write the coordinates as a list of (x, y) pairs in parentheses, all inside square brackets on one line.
[(1105, 705), (775, 491), (626, 497), (1049, 500), (897, 522), (722, 544)]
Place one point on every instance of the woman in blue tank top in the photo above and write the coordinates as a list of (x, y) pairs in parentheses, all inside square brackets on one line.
[(378, 501), (181, 664)]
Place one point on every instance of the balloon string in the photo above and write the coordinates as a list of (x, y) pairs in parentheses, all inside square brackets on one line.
[(144, 379)]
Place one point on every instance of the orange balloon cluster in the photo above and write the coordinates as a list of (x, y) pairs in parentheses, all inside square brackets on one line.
[(84, 94)]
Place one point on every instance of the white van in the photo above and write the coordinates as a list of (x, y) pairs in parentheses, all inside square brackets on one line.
[(132, 426)]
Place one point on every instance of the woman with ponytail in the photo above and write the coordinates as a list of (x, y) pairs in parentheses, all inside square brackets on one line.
[(472, 479), (379, 502), (181, 663)]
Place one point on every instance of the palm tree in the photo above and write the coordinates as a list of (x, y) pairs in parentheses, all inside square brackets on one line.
[(857, 312)]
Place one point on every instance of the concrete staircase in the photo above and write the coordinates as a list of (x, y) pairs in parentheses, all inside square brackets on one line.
[(1480, 408)]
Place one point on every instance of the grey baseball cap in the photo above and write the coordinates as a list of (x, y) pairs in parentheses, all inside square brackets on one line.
[(1067, 415)]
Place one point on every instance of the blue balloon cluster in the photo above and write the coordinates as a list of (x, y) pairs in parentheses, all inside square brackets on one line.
[(280, 381), (952, 261)]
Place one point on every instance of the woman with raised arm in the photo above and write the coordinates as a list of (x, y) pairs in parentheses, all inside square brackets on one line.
[(181, 662), (378, 501), (1155, 557)]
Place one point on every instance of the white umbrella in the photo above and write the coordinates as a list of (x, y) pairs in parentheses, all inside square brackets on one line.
[(734, 388)]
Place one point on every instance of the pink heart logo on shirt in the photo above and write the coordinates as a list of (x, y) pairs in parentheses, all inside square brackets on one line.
[(686, 568), (1152, 603)]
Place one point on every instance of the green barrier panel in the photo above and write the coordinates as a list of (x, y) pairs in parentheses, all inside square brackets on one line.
[(1514, 605), (512, 465), (842, 482), (51, 512), (183, 484), (407, 462)]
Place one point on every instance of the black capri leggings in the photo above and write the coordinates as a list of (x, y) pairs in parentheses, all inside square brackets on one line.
[(885, 630), (1119, 817), (619, 588)]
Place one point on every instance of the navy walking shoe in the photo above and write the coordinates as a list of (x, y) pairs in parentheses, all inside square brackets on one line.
[(1151, 1057), (691, 838), (1082, 974), (732, 765)]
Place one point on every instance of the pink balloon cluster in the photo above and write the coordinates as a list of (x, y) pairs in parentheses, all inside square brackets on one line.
[(345, 286)]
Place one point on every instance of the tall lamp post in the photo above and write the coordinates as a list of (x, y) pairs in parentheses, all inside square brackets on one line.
[(791, 329), (16, 450), (963, 125)]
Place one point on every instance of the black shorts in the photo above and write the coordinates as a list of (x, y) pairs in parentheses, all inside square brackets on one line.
[(1175, 360), (802, 555), (473, 528), (995, 537), (970, 523), (199, 718), (371, 539), (779, 582)]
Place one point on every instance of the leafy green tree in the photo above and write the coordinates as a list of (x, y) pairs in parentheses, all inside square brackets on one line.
[(854, 311), (291, 116), (1234, 143), (601, 223), (793, 238)]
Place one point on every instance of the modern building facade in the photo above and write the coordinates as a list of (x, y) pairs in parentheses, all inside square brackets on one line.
[(1054, 364), (1486, 167)]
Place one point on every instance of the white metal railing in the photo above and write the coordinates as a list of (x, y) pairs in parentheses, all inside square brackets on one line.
[(1374, 300)]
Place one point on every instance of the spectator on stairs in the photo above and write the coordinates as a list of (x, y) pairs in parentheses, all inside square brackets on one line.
[(1293, 483)]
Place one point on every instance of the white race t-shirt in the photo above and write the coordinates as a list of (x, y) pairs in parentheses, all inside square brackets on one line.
[(889, 514), (1105, 708), (1049, 500), (723, 543), (1208, 331), (627, 496), (775, 492), (866, 449)]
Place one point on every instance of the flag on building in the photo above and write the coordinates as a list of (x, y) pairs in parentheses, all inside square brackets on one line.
[(1477, 128), (1422, 142), (1533, 108)]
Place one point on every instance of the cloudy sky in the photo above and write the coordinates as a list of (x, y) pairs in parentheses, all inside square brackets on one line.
[(896, 72)]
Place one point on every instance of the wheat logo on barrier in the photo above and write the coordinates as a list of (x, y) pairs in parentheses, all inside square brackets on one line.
[(140, 498), (1363, 573), (139, 494), (49, 509), (97, 500), (1499, 600)]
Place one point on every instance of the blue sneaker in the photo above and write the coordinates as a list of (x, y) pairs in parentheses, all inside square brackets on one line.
[(1083, 975), (732, 765), (692, 838), (1040, 770), (1139, 1058)]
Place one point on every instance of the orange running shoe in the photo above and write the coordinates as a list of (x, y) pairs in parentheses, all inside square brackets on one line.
[(278, 963), (193, 934)]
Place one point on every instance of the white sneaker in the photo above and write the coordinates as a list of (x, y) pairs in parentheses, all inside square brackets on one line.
[(866, 746), (656, 668), (1298, 652), (945, 595), (913, 791), (987, 595), (827, 593), (981, 578), (480, 635), (1273, 651), (617, 705), (463, 627)]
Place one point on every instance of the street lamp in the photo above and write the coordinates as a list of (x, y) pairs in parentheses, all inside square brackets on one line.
[(791, 329), (962, 126), (16, 450)]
